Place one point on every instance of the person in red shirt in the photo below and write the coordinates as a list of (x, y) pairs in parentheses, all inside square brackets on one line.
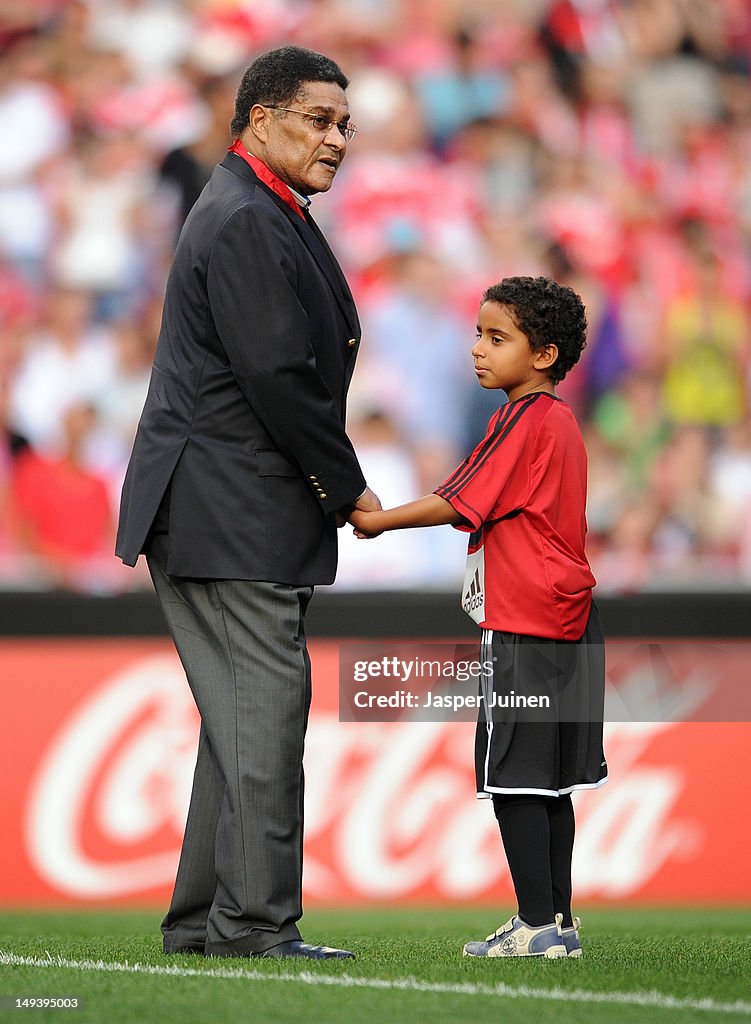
[(521, 494), (60, 508)]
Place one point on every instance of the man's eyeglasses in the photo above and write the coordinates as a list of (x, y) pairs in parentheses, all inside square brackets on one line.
[(322, 124)]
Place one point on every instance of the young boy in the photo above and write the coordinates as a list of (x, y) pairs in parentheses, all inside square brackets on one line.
[(521, 495)]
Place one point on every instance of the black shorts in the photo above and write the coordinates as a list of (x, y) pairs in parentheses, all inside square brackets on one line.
[(539, 729)]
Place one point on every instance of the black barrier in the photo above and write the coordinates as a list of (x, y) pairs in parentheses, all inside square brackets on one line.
[(377, 614)]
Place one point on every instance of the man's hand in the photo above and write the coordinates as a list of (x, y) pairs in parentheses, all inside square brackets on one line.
[(368, 502)]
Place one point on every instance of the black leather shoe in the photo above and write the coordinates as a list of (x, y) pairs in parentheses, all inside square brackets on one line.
[(296, 947)]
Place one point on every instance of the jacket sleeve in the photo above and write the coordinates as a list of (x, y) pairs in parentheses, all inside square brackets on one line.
[(266, 334)]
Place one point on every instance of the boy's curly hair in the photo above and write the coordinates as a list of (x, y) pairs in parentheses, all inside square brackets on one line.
[(547, 313)]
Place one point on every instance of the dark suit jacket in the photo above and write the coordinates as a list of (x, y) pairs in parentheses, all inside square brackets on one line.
[(244, 418)]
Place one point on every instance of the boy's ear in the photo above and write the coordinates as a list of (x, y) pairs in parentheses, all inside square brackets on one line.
[(545, 357)]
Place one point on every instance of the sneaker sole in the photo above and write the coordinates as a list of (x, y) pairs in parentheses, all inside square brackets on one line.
[(552, 953), (556, 953)]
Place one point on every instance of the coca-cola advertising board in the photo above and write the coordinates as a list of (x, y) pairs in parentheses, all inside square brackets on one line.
[(98, 743)]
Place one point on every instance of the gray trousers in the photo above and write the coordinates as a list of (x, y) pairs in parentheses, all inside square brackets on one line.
[(242, 645)]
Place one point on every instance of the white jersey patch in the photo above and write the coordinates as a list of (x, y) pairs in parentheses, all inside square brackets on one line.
[(473, 590)]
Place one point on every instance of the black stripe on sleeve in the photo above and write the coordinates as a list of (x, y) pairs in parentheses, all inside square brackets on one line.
[(488, 440), (468, 469)]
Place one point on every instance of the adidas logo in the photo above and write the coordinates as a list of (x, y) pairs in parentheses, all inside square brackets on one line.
[(473, 596), (473, 589)]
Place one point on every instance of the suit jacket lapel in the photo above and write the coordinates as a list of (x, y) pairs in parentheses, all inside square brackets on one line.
[(313, 238)]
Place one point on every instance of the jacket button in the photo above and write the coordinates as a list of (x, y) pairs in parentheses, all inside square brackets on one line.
[(322, 496), (352, 342)]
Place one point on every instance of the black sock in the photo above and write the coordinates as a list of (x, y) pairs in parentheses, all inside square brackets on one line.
[(525, 831), (561, 819)]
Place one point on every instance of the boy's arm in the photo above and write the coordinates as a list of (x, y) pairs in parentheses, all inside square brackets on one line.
[(428, 511)]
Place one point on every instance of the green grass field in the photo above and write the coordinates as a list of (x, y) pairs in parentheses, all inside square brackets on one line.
[(640, 966)]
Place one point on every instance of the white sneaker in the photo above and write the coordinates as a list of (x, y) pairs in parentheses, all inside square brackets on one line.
[(515, 938), (570, 938)]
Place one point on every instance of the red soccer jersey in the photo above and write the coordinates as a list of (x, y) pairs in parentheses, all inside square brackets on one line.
[(523, 492)]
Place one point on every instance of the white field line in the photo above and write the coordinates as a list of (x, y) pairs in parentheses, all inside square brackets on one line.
[(657, 1000)]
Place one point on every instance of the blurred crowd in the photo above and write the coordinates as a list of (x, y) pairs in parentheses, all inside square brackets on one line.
[(606, 143)]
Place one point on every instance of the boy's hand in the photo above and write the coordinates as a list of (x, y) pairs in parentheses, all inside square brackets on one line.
[(364, 527)]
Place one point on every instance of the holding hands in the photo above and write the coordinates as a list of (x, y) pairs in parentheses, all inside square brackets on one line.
[(369, 520), (366, 505)]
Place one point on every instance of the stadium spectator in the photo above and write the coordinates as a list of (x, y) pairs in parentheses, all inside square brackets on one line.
[(101, 214), (153, 35), (69, 359), (630, 419), (187, 168), (461, 91), (729, 486), (12, 445), (35, 131), (417, 351), (706, 343), (120, 399), (382, 455), (61, 510)]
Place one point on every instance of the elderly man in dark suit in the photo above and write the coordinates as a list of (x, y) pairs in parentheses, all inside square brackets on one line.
[(240, 465)]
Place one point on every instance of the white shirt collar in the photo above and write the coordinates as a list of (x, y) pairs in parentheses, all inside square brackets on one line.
[(304, 201)]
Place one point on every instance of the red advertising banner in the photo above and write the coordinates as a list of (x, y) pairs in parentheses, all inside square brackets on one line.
[(98, 744)]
